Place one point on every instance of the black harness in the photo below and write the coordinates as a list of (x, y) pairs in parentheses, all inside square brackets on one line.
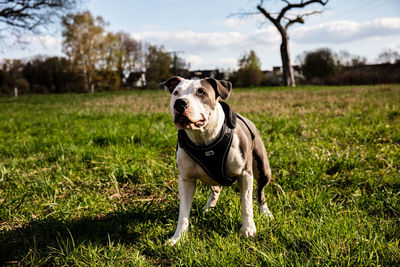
[(212, 158)]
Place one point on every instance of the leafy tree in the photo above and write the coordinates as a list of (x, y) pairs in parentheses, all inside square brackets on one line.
[(84, 43), (107, 80), (52, 75), (158, 63), (109, 73), (112, 52), (11, 73), (318, 64), (249, 73), (4, 80)]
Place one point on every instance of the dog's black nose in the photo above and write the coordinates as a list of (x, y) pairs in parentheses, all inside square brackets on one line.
[(180, 105)]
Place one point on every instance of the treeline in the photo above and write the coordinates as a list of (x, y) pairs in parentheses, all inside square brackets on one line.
[(95, 60), (325, 67), (322, 67)]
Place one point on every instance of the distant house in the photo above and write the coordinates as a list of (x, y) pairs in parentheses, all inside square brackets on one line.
[(136, 79), (277, 70), (267, 72), (201, 74)]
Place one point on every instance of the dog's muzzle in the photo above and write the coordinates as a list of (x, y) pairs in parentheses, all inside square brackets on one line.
[(180, 105)]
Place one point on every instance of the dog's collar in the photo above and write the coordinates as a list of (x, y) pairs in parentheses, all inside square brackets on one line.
[(212, 158)]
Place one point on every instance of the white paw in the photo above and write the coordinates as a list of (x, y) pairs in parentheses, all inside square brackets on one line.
[(265, 211), (172, 241), (269, 215), (207, 208), (248, 231)]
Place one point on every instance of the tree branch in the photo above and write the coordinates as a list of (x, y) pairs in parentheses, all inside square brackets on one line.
[(299, 18), (298, 5), (243, 14), (30, 14), (268, 15)]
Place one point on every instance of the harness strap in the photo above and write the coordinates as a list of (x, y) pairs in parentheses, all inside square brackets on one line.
[(248, 127), (212, 158)]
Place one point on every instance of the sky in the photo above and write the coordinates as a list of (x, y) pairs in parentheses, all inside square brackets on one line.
[(211, 34)]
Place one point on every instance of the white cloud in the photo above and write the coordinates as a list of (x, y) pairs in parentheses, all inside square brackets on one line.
[(45, 42), (149, 28), (331, 34), (229, 22), (190, 41), (392, 46), (31, 45), (239, 23), (267, 35), (347, 31)]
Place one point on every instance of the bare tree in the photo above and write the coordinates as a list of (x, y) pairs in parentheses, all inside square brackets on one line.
[(20, 16), (282, 21), (389, 56)]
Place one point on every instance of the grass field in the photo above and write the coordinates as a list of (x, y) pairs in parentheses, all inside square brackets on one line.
[(91, 180)]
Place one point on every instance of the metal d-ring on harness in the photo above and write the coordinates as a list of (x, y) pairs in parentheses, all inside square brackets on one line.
[(212, 158)]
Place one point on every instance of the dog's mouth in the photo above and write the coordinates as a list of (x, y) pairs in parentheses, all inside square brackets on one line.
[(183, 122)]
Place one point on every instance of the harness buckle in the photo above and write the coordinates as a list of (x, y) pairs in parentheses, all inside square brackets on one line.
[(209, 153)]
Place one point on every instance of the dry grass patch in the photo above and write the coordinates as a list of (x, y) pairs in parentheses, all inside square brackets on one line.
[(335, 101), (147, 102), (300, 102)]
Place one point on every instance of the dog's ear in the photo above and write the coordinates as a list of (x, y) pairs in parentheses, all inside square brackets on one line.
[(171, 83), (222, 88)]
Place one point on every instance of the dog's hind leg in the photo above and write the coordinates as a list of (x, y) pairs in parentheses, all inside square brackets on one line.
[(262, 171), (212, 200), (261, 199)]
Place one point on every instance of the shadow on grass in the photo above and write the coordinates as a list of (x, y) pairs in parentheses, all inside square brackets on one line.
[(41, 236)]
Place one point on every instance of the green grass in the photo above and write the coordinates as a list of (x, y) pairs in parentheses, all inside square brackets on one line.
[(91, 180)]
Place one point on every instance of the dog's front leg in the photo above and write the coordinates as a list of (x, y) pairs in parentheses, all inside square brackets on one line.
[(246, 193), (186, 189), (212, 200)]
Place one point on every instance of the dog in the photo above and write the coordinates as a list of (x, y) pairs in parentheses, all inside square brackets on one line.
[(216, 146)]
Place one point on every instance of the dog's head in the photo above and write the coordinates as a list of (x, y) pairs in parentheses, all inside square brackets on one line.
[(193, 101)]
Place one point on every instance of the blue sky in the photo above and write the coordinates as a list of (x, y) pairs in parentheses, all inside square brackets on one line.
[(209, 36)]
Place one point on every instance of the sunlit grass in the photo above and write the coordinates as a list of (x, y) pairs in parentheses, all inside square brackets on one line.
[(92, 180)]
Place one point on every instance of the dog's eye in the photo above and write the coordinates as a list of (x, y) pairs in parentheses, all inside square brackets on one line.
[(175, 93), (200, 92)]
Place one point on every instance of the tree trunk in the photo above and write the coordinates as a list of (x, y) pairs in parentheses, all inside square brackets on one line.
[(288, 75), (86, 78)]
